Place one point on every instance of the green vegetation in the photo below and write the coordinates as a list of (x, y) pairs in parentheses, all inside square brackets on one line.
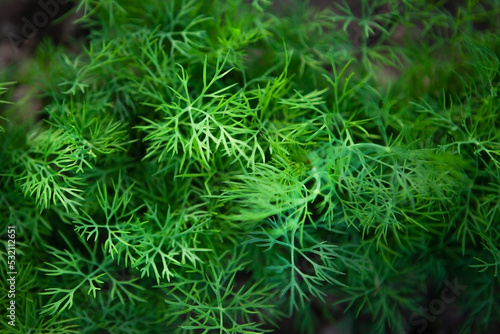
[(219, 166)]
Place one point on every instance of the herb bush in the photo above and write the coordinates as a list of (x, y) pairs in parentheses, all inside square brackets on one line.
[(222, 166)]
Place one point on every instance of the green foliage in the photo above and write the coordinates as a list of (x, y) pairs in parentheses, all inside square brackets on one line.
[(220, 166), (212, 298)]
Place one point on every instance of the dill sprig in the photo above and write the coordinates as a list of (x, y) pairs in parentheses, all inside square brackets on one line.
[(220, 166)]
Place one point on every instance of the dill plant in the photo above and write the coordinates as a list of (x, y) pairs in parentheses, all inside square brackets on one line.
[(220, 166)]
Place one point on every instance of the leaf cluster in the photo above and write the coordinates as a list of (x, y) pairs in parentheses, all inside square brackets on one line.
[(219, 166)]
